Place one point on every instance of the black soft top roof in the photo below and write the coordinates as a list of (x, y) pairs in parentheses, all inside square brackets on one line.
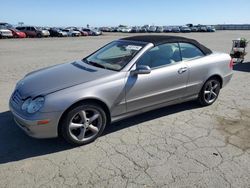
[(161, 39)]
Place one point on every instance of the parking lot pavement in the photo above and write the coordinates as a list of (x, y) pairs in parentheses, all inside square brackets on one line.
[(177, 146)]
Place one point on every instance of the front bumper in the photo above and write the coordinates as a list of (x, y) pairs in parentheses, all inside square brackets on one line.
[(9, 35), (30, 124)]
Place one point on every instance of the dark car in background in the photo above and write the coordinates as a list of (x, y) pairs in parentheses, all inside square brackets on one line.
[(106, 29), (176, 30), (167, 29), (32, 31), (56, 32), (135, 29)]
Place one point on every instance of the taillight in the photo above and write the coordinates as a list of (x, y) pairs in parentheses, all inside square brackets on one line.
[(231, 64)]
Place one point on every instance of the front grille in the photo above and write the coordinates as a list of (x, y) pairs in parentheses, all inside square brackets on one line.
[(16, 98)]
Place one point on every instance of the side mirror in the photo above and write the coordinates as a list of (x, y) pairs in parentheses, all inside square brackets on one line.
[(141, 69)]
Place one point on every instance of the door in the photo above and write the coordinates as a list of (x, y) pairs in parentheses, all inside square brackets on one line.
[(167, 81), (198, 67), (33, 32), (29, 32)]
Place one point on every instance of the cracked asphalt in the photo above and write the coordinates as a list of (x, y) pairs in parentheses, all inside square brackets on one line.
[(177, 146)]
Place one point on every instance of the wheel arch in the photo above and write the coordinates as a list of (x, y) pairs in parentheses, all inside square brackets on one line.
[(216, 76), (87, 100)]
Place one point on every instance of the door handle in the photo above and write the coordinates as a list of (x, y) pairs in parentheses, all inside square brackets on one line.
[(182, 70)]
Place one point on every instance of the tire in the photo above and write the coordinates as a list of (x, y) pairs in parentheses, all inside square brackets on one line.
[(83, 124), (39, 35), (209, 92)]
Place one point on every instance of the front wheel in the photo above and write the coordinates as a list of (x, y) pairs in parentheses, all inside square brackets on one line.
[(209, 92), (83, 124)]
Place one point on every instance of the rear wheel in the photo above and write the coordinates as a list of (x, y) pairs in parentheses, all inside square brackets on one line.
[(209, 92), (83, 124)]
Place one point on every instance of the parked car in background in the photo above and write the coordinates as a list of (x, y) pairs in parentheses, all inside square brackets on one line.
[(92, 32), (194, 29), (83, 33), (210, 29), (106, 29), (5, 25), (202, 28), (56, 32), (135, 29), (176, 29), (5, 33), (126, 30), (72, 33), (151, 29), (32, 31), (167, 29), (16, 33), (77, 100), (114, 29), (120, 28), (185, 29), (143, 29), (159, 29)]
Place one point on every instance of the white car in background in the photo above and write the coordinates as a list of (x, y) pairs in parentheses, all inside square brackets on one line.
[(127, 30), (72, 33), (5, 33)]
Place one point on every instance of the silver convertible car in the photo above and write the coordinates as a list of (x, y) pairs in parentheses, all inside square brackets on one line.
[(125, 77)]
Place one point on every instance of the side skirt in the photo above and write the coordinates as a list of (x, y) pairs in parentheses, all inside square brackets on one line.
[(133, 113)]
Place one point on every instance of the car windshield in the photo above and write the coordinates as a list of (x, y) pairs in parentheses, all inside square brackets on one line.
[(2, 27), (115, 55)]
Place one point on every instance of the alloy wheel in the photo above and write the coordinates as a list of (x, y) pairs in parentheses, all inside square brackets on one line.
[(211, 91), (85, 124)]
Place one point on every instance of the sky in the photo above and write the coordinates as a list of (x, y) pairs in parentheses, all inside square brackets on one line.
[(127, 12)]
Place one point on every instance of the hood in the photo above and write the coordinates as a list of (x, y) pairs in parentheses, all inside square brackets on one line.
[(58, 77), (5, 30)]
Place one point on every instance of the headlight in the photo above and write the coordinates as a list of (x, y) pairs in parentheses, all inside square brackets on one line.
[(26, 104), (33, 105)]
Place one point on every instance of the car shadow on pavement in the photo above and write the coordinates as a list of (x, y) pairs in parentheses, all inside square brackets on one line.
[(151, 115), (244, 67), (15, 145)]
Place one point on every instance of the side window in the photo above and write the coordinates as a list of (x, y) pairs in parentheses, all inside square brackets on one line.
[(189, 51), (28, 28), (161, 55), (32, 29)]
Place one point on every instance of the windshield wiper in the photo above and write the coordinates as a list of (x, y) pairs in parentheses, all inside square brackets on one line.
[(94, 64), (97, 65)]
